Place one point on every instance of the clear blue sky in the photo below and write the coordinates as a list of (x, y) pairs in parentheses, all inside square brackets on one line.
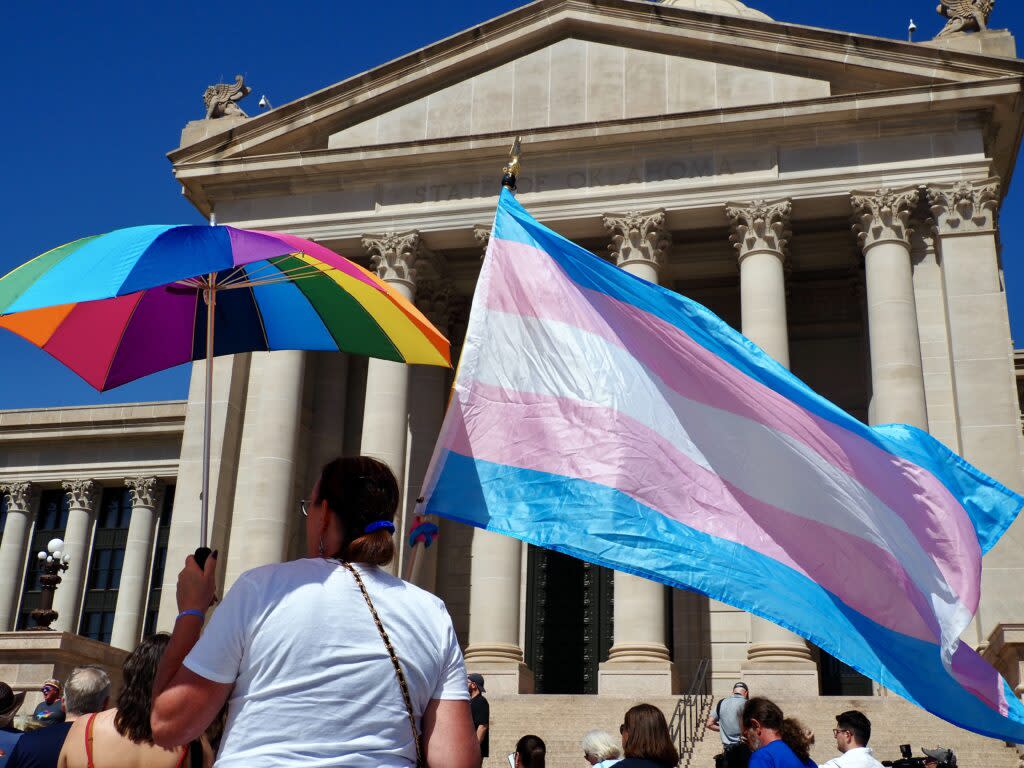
[(95, 94)]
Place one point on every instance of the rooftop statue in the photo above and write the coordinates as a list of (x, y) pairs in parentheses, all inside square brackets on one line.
[(222, 99), (964, 15)]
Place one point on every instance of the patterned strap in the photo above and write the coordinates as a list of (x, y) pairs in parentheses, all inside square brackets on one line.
[(394, 660)]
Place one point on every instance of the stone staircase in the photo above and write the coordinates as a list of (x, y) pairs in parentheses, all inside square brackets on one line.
[(562, 720)]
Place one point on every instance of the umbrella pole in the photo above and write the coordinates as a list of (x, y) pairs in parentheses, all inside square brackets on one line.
[(210, 295)]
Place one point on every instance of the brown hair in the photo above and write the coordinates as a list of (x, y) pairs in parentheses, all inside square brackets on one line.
[(646, 736), (790, 730), (136, 697), (531, 751), (359, 491)]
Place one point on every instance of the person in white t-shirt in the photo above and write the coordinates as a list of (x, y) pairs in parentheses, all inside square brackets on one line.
[(297, 651), (852, 732)]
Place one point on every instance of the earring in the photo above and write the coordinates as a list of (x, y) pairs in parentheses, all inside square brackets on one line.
[(322, 547)]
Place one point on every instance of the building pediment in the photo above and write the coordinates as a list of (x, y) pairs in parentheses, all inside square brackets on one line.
[(577, 62)]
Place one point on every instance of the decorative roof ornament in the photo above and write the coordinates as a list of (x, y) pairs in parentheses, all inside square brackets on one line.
[(964, 16), (222, 99)]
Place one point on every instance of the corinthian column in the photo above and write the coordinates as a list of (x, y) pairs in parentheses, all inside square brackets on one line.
[(77, 536), (638, 662), (21, 503), (138, 562), (396, 258), (983, 372), (777, 659), (881, 221)]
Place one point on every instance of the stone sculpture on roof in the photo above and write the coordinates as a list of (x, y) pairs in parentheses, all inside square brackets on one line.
[(964, 15), (222, 99)]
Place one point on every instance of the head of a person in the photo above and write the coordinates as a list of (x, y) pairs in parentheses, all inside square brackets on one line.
[(763, 723), (51, 691), (475, 682), (853, 729), (931, 762), (87, 690), (10, 703), (740, 689), (645, 735), (352, 510), (599, 746), (530, 752), (135, 700)]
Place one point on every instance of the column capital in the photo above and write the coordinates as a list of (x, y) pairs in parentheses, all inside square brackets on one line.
[(883, 215), (398, 257), (433, 298), (81, 492), (144, 491), (638, 236), (965, 207), (18, 495), (482, 234), (760, 226)]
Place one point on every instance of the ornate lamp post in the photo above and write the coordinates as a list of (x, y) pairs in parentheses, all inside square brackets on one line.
[(53, 561)]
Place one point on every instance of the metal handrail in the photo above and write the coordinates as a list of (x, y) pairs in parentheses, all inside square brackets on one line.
[(689, 720)]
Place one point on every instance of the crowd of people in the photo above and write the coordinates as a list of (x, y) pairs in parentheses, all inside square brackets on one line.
[(330, 660)]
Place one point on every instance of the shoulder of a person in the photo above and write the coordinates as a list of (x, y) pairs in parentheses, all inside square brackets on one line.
[(408, 590)]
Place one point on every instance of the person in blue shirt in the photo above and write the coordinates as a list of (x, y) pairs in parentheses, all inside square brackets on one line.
[(10, 703), (776, 741)]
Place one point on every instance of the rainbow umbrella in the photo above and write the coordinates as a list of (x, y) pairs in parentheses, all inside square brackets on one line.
[(119, 306)]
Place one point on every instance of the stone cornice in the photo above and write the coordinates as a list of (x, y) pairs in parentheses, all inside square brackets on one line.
[(965, 208), (760, 226), (883, 215), (838, 54), (81, 423)]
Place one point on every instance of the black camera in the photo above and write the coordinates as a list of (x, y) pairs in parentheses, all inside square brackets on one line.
[(943, 758)]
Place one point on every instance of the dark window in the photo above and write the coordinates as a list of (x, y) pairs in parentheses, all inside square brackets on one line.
[(104, 578), (51, 522), (3, 514), (163, 534)]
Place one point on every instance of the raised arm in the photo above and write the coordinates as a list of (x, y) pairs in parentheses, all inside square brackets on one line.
[(184, 704)]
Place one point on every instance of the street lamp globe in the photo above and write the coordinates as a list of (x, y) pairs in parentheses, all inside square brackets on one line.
[(55, 546)]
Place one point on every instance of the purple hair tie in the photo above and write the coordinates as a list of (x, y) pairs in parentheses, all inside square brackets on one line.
[(378, 524)]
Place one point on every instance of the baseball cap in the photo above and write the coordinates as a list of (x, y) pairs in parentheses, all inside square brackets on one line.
[(478, 680), (741, 684)]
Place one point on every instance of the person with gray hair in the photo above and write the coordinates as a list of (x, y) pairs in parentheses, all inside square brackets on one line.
[(87, 690), (600, 749)]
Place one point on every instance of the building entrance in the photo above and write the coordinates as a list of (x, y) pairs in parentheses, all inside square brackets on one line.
[(568, 621), (839, 679)]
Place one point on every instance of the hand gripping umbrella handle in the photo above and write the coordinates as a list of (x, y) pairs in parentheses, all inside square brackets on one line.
[(201, 554)]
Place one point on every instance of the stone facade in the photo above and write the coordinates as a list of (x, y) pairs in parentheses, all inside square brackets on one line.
[(783, 176)]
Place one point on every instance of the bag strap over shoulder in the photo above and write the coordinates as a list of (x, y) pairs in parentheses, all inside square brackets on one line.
[(88, 739), (394, 660)]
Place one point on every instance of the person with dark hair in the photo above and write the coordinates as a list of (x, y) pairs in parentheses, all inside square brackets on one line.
[(776, 741), (480, 709), (327, 660), (121, 737), (853, 732), (646, 742), (530, 753), (86, 690)]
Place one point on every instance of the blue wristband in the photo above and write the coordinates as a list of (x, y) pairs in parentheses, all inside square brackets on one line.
[(192, 612)]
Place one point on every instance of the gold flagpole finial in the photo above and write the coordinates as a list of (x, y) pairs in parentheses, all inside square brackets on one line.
[(511, 169)]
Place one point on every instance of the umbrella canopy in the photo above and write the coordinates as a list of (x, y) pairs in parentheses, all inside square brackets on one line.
[(119, 306)]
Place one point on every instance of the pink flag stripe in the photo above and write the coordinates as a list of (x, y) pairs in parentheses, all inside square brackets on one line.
[(599, 445), (536, 287), (977, 676)]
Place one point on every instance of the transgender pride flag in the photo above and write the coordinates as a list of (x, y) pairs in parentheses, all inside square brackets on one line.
[(616, 421)]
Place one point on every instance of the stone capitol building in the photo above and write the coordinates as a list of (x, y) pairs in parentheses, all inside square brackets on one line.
[(834, 196)]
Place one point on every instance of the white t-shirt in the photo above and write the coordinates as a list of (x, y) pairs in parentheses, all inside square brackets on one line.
[(314, 684), (858, 757)]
